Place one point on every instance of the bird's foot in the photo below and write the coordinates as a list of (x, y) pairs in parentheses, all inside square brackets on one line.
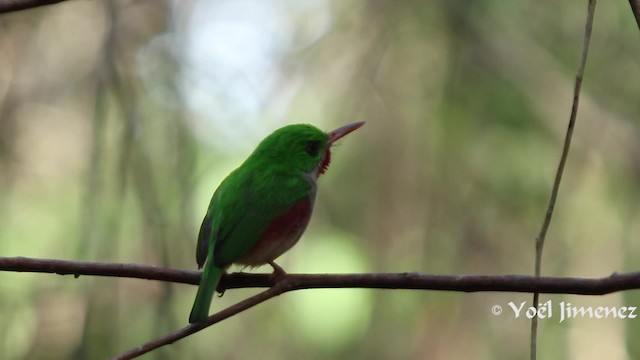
[(278, 272), (220, 289)]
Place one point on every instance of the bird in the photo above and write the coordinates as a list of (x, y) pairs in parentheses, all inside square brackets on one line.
[(262, 208)]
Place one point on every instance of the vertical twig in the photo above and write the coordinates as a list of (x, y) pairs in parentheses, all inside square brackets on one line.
[(563, 159)]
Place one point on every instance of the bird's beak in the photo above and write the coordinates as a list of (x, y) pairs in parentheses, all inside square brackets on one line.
[(340, 132)]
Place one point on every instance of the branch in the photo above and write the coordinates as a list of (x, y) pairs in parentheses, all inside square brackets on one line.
[(635, 8), (170, 338), (17, 5), (77, 268), (409, 280), (563, 160), (291, 282), (288, 283)]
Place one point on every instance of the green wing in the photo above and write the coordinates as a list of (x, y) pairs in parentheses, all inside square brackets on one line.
[(206, 235), (251, 201), (203, 241)]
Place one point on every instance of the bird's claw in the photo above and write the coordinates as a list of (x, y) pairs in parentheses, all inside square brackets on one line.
[(278, 272), (220, 289)]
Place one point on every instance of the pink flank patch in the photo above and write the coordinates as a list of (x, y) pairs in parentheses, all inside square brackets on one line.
[(280, 236)]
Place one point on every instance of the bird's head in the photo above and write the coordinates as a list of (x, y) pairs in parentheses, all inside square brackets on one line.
[(302, 148)]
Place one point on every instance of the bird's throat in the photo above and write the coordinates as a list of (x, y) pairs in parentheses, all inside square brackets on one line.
[(324, 165)]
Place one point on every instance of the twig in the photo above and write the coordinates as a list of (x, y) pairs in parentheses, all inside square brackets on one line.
[(635, 8), (563, 159), (17, 5), (170, 338)]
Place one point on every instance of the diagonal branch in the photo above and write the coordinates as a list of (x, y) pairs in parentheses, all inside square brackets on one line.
[(635, 8), (211, 320), (17, 5)]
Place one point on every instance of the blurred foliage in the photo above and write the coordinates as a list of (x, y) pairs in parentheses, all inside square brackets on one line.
[(118, 119)]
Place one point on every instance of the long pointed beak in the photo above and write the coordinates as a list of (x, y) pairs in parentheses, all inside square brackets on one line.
[(340, 132)]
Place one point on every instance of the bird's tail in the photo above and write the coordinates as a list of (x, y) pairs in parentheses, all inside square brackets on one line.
[(208, 284)]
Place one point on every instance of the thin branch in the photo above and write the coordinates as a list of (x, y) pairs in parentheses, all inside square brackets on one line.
[(211, 320), (17, 5), (393, 281), (635, 8), (291, 282), (465, 283), (77, 268), (563, 159)]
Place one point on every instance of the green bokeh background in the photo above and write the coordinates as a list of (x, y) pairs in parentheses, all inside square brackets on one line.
[(114, 135)]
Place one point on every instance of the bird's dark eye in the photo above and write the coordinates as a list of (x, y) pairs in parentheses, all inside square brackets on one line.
[(312, 147)]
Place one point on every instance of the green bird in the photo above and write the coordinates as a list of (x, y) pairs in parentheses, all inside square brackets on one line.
[(261, 209)]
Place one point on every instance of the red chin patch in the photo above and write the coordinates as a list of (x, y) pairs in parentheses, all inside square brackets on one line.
[(325, 162)]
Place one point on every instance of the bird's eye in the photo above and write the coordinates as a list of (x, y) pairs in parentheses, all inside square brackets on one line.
[(312, 148)]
